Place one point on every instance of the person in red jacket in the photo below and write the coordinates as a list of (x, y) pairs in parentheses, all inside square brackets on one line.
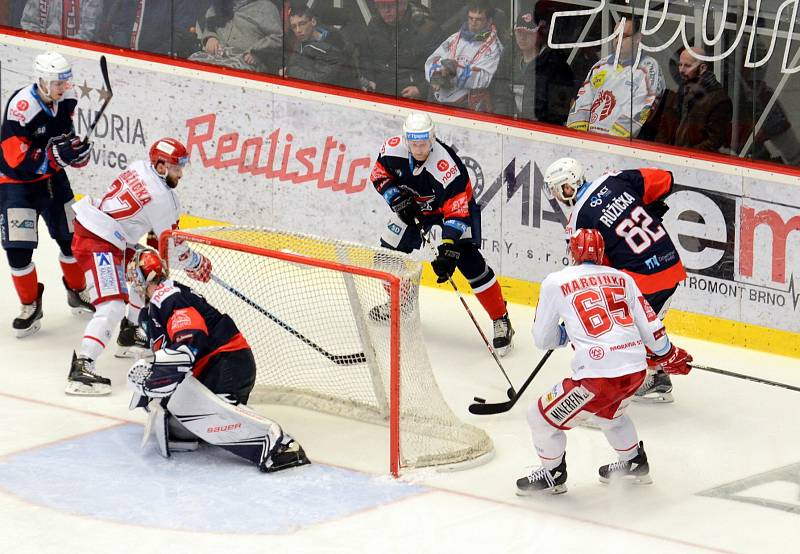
[(38, 142)]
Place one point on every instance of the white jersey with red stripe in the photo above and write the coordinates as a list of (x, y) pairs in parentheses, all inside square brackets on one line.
[(138, 201), (607, 320)]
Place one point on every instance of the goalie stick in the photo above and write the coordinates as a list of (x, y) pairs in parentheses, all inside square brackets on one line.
[(511, 393), (338, 359), (482, 408), (109, 92)]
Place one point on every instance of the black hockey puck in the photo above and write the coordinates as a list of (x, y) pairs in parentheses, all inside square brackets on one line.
[(479, 400)]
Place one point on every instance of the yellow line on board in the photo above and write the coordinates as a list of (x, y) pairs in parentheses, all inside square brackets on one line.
[(698, 326)]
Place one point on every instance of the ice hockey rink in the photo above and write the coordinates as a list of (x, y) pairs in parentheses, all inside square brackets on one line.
[(725, 460)]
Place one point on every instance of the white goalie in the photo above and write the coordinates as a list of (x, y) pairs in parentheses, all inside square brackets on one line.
[(198, 383)]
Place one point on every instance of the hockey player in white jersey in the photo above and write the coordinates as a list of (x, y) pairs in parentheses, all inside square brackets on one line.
[(609, 323), (107, 231)]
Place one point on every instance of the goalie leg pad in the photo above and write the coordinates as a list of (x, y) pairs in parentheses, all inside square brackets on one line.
[(236, 428)]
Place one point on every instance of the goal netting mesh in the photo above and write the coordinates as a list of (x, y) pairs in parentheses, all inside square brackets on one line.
[(321, 333)]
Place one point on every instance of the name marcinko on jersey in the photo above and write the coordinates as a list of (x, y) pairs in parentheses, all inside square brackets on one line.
[(585, 282)]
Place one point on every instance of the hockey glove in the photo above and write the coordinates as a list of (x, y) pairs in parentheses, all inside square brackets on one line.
[(68, 149), (168, 369), (445, 263), (675, 362), (404, 204), (658, 208), (199, 268)]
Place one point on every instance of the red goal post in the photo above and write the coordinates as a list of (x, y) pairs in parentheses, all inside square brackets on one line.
[(310, 307)]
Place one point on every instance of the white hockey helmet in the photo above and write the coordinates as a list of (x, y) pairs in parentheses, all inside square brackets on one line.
[(419, 126), (52, 66), (564, 172)]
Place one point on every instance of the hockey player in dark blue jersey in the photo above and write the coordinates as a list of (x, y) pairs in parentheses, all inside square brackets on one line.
[(424, 181), (201, 375), (38, 141), (626, 207)]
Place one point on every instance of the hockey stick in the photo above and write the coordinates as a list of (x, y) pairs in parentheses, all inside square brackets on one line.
[(338, 359), (511, 393), (110, 94), (745, 377), (480, 407)]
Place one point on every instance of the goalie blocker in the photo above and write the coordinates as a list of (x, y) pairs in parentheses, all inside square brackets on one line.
[(200, 379)]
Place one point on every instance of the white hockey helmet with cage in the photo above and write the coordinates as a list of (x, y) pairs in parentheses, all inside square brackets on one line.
[(564, 172), (419, 126), (52, 66)]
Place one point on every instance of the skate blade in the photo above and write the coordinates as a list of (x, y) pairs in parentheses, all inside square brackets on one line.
[(504, 350), (80, 310), (558, 489), (628, 480), (183, 446), (33, 329), (660, 398), (75, 388), (133, 352)]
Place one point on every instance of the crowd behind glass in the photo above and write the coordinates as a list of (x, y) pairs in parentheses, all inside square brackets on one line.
[(618, 70)]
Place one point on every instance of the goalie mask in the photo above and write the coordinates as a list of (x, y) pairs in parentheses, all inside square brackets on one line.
[(146, 268)]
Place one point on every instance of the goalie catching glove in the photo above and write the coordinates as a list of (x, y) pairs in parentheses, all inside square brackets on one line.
[(160, 378), (675, 362), (445, 263), (68, 149)]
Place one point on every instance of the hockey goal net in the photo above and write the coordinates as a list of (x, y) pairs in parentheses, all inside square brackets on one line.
[(335, 328)]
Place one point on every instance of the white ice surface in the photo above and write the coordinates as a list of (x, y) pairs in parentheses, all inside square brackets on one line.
[(720, 431)]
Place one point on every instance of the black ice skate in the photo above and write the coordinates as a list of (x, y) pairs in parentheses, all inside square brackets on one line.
[(542, 480), (83, 381), (131, 341), (30, 315), (636, 471), (503, 333), (285, 456), (383, 312), (656, 389), (78, 300)]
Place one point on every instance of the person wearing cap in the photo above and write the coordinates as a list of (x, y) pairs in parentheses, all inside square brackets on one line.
[(141, 199), (38, 142), (462, 68), (534, 81)]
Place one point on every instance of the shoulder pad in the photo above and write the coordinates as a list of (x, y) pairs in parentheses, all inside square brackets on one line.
[(442, 166), (23, 107), (394, 146), (162, 292)]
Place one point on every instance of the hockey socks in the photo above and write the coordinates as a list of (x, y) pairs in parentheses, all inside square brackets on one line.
[(74, 278), (491, 298), (27, 283)]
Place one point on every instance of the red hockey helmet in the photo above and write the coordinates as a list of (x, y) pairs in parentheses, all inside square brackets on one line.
[(169, 150), (587, 245), (146, 268)]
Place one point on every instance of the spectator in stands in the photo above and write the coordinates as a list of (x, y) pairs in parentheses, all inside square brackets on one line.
[(318, 53), (701, 111), (243, 34), (397, 43), (462, 68), (534, 81), (80, 21), (619, 102), (142, 25)]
